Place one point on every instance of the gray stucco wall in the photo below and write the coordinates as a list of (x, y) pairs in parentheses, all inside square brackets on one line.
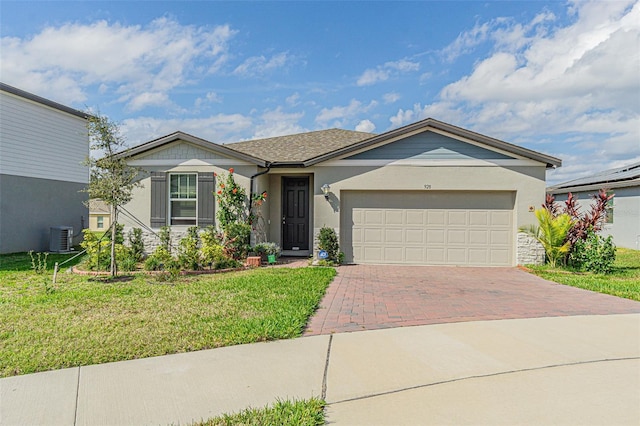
[(29, 207)]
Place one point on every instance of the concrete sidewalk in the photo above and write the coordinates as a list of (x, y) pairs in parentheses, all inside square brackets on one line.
[(561, 370)]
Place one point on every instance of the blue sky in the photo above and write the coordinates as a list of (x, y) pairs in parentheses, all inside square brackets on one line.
[(561, 78)]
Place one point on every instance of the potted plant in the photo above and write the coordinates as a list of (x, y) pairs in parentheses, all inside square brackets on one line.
[(269, 252)]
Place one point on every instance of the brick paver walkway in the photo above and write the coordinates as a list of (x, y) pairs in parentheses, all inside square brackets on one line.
[(367, 297)]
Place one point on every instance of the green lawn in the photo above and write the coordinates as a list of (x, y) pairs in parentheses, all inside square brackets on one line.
[(282, 413), (624, 281), (88, 320)]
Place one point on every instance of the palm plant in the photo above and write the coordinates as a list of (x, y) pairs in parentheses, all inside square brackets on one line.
[(552, 233)]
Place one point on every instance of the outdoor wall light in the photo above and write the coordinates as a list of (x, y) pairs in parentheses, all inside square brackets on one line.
[(325, 190)]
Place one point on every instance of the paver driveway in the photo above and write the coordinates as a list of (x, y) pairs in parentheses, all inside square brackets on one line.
[(368, 297)]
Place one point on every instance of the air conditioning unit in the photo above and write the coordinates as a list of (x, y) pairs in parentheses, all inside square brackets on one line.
[(60, 240)]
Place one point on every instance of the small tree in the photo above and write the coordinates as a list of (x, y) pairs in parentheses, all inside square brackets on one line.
[(552, 232), (111, 178), (232, 207)]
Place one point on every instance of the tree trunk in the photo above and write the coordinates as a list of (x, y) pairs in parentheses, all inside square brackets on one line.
[(114, 224)]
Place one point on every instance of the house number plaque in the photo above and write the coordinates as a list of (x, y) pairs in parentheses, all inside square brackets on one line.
[(427, 187)]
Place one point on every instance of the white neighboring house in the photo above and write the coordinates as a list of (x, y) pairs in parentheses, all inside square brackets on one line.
[(623, 221), (42, 147)]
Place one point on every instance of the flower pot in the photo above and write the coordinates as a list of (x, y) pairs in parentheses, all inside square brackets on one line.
[(271, 258)]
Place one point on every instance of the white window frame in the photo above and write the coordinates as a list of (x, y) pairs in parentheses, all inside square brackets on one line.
[(171, 200), (100, 222)]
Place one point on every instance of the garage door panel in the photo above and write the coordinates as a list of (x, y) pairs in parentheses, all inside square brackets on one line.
[(500, 237), (414, 236), (393, 217), (478, 218), (373, 217), (394, 254), (372, 235), (456, 256), (415, 217), (445, 228), (435, 236), (393, 235), (457, 218), (435, 217), (456, 236), (415, 254), (478, 236), (478, 256)]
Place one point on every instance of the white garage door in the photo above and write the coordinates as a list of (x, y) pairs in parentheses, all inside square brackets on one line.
[(428, 228)]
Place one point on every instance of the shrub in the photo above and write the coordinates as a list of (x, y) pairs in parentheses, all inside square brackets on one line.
[(594, 254), (232, 201), (157, 260), (552, 234), (328, 241), (267, 249), (237, 238), (165, 238), (188, 252), (136, 244), (98, 251), (38, 262), (119, 234)]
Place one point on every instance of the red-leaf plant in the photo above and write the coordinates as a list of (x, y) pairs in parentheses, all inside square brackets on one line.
[(594, 219)]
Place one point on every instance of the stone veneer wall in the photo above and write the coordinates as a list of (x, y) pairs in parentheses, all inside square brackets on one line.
[(529, 250), (152, 241)]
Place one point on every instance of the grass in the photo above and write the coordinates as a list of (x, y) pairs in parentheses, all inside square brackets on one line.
[(284, 413), (624, 281), (84, 320)]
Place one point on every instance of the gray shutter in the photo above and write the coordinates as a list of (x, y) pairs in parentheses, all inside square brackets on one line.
[(206, 200), (159, 198)]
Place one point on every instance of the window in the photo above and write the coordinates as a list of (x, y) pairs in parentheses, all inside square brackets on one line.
[(100, 222), (183, 199), (609, 210)]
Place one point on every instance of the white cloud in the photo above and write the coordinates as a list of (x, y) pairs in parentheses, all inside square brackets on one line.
[(258, 65), (391, 97), (209, 98), (542, 86), (341, 114), (139, 63), (278, 123), (220, 128), (293, 100), (365, 126), (384, 72)]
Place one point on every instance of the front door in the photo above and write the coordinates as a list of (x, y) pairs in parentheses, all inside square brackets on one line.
[(295, 213)]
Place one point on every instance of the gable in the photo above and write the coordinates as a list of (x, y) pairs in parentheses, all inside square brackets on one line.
[(180, 150), (429, 146)]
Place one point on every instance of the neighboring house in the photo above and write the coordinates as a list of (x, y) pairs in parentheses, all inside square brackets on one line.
[(428, 193), (42, 147), (623, 218), (99, 215)]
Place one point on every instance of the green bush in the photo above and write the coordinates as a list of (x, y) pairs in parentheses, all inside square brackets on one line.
[(188, 252), (594, 254), (328, 241), (267, 249), (158, 260), (136, 244), (98, 251), (165, 238), (237, 238)]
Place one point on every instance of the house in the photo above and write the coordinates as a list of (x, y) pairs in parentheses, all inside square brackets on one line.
[(99, 215), (623, 218), (428, 193), (42, 147)]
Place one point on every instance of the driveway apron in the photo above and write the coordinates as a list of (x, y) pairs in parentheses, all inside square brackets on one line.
[(369, 297)]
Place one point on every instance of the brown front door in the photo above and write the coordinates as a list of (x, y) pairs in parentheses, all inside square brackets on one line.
[(295, 213)]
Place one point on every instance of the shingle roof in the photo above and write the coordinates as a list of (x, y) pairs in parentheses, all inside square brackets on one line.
[(300, 147), (96, 205), (611, 178)]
